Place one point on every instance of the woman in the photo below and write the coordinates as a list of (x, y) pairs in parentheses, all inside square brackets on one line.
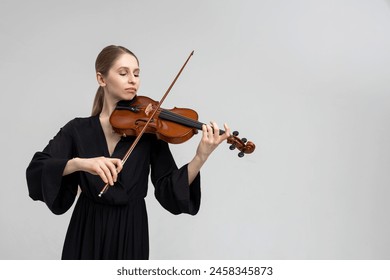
[(86, 153)]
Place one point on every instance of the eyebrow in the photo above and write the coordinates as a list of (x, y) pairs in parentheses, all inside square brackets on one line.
[(127, 68)]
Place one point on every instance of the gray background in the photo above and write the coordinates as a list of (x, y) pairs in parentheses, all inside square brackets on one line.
[(306, 80)]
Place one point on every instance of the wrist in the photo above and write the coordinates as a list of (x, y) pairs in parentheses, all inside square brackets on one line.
[(199, 160), (76, 164), (72, 165)]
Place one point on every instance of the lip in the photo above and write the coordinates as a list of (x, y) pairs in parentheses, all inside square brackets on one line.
[(131, 89)]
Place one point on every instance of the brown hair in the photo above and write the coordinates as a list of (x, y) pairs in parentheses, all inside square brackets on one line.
[(104, 62)]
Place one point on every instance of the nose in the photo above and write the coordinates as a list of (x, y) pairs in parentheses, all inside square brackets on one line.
[(131, 79)]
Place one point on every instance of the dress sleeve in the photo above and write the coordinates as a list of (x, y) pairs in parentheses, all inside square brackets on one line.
[(171, 184), (44, 174)]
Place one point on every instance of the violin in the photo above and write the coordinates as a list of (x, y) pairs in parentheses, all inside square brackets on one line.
[(174, 126)]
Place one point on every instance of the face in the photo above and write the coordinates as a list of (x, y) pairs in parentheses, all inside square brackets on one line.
[(122, 80)]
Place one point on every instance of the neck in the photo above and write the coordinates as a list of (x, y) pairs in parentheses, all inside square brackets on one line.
[(108, 107)]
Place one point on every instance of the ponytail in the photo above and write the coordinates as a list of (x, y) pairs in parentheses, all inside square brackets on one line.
[(98, 102)]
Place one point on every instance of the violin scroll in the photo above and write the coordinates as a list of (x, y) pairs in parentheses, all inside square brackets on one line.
[(243, 145)]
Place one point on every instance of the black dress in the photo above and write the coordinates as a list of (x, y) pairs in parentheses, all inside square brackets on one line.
[(113, 226)]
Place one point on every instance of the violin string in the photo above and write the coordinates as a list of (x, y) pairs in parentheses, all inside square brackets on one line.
[(183, 120), (165, 114), (168, 115)]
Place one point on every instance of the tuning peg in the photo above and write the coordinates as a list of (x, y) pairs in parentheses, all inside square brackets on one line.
[(232, 146), (241, 154), (235, 133), (244, 140)]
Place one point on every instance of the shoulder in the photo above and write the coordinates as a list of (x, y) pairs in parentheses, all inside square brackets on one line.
[(82, 121), (79, 124)]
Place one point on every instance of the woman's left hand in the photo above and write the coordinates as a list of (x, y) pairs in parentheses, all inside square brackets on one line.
[(210, 140)]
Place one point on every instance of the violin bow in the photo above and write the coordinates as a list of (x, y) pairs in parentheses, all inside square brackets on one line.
[(130, 150)]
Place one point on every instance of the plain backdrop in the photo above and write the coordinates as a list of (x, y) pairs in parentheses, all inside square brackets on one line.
[(306, 80)]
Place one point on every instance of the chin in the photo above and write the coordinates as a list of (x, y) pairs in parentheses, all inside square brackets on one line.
[(129, 96)]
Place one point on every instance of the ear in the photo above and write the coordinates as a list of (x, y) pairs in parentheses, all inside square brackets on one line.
[(100, 79)]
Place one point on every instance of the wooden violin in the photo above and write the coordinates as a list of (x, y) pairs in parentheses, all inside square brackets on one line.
[(174, 126)]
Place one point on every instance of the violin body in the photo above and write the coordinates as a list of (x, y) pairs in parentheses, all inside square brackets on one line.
[(129, 118)]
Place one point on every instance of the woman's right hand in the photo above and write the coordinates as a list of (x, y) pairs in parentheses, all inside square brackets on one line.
[(106, 168)]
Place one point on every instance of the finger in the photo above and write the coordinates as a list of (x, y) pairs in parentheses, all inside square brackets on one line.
[(118, 163), (102, 175), (227, 133), (112, 169), (107, 173), (216, 129), (209, 132), (204, 132), (227, 129)]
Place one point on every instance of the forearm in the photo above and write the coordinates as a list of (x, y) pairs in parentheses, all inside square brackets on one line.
[(194, 167), (210, 140)]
